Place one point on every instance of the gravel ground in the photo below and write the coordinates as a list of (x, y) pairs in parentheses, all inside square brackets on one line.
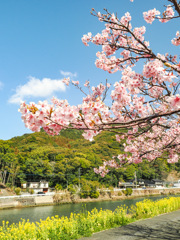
[(163, 227)]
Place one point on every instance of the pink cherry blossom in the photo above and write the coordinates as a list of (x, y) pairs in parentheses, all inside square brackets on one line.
[(143, 106), (167, 14), (86, 38), (150, 15), (86, 83), (174, 101), (66, 81), (75, 82), (176, 41)]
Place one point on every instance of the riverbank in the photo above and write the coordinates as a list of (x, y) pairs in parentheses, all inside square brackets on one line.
[(65, 197), (86, 223)]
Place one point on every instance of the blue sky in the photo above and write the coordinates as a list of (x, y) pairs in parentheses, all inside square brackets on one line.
[(40, 42)]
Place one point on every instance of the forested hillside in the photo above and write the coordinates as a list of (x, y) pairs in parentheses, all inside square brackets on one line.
[(68, 158)]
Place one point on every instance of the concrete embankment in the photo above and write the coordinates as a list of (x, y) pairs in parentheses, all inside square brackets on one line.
[(65, 197), (155, 191), (22, 201)]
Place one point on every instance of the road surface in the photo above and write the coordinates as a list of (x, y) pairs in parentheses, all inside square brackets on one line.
[(163, 227)]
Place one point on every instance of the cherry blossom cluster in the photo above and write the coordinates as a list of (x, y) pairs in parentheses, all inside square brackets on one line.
[(60, 115), (149, 16), (145, 106), (167, 14), (174, 101), (176, 41), (152, 14), (118, 34)]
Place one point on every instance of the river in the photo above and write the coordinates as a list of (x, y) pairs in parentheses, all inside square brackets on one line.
[(36, 213)]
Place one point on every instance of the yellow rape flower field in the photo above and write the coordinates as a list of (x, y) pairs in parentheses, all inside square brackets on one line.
[(86, 223)]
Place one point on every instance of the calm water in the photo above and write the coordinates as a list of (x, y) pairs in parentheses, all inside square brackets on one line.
[(36, 213)]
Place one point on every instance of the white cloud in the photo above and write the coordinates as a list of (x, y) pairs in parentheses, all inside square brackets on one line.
[(37, 88), (68, 74)]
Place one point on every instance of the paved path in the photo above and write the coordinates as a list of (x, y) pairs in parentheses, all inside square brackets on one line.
[(163, 227)]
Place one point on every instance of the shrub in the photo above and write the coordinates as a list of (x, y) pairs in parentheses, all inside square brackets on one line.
[(17, 191), (8, 185), (58, 187), (111, 191), (84, 194), (71, 189), (89, 189), (119, 193), (94, 194), (128, 191), (102, 192), (111, 188)]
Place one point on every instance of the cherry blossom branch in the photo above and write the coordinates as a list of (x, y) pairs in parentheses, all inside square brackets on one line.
[(176, 5), (145, 109), (145, 119)]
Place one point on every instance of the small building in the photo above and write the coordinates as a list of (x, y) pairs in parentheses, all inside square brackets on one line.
[(141, 183), (158, 183), (132, 183), (126, 185), (149, 183), (153, 183), (41, 186)]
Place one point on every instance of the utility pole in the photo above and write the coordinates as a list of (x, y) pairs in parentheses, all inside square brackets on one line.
[(79, 170), (67, 183), (135, 178)]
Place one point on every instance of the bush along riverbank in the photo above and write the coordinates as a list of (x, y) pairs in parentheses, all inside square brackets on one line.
[(110, 194), (86, 223), (64, 196)]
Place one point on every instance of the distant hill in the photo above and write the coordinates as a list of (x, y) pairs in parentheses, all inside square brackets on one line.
[(66, 158)]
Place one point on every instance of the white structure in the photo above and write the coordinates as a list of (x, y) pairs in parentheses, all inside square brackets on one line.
[(177, 184), (41, 186)]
